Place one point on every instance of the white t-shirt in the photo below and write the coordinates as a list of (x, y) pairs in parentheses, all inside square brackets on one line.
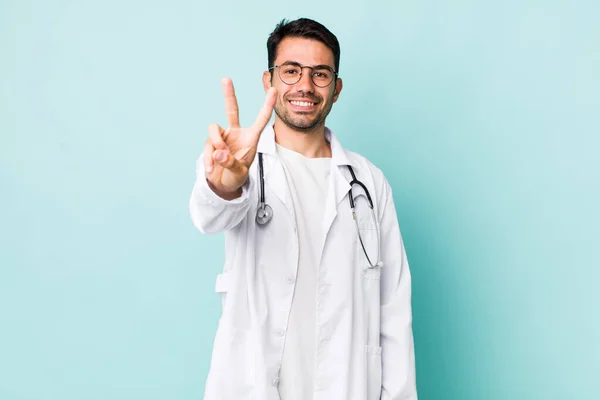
[(308, 179)]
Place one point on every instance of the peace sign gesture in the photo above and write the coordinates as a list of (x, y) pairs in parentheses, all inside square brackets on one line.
[(228, 153)]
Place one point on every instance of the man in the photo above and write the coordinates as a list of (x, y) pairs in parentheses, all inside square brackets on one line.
[(316, 290)]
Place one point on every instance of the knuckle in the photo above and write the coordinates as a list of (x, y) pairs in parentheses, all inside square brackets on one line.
[(232, 164), (213, 128), (216, 141)]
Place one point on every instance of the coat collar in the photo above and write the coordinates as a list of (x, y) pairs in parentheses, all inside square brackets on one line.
[(266, 145)]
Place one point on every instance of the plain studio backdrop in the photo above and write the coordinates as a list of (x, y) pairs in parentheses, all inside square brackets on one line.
[(484, 116)]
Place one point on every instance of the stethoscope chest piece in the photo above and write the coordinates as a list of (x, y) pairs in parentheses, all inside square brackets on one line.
[(264, 213)]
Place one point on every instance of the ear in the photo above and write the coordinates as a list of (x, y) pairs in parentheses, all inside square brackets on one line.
[(266, 78), (338, 88)]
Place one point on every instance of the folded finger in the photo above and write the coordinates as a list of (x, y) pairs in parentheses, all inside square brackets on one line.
[(215, 134), (208, 157), (225, 159)]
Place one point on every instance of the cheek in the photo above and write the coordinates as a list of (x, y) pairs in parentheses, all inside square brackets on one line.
[(281, 101), (328, 96), (282, 93)]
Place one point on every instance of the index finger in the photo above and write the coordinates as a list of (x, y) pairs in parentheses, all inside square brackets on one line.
[(264, 115), (231, 105)]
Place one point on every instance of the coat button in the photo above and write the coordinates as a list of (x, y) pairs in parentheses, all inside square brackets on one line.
[(280, 332), (276, 381), (291, 279)]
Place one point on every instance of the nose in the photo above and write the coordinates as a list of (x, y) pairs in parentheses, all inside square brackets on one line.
[(305, 84)]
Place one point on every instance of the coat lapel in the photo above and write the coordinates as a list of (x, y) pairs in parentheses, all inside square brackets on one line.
[(338, 188), (274, 173), (338, 183), (276, 181)]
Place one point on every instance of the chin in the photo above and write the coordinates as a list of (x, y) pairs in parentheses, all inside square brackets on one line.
[(305, 126)]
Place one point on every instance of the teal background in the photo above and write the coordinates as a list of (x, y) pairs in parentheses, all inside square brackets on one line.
[(483, 115)]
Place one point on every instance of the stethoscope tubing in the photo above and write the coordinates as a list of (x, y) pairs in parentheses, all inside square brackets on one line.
[(264, 213)]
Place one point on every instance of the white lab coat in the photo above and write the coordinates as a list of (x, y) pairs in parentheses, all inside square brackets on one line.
[(364, 323)]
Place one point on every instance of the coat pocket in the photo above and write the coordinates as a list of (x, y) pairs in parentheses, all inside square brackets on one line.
[(223, 285), (374, 371), (367, 244)]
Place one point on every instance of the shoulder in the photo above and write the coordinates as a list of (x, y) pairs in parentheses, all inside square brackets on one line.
[(365, 166), (366, 171), (373, 178)]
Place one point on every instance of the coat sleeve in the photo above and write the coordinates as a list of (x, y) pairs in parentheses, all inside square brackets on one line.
[(211, 213), (397, 345)]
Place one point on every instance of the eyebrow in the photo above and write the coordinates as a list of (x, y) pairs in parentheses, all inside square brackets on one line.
[(289, 62)]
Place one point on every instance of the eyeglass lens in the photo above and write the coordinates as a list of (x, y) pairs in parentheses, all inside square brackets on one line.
[(291, 73)]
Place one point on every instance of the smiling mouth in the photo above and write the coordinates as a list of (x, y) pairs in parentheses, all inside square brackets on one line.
[(302, 103)]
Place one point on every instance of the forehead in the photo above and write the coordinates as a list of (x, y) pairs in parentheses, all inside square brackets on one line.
[(304, 51)]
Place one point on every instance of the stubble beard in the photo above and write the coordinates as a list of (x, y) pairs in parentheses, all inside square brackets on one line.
[(298, 122)]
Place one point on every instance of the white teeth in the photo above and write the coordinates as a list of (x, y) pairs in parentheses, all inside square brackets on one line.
[(302, 103)]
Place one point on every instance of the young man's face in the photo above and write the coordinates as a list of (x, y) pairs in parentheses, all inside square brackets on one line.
[(303, 105)]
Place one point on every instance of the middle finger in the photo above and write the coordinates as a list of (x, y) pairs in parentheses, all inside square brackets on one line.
[(231, 105)]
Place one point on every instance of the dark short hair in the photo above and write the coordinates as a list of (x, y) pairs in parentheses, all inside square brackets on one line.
[(302, 28)]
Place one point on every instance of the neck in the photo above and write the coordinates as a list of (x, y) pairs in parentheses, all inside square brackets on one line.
[(309, 143)]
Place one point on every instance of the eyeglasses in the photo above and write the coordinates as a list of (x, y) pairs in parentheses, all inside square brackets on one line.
[(291, 72)]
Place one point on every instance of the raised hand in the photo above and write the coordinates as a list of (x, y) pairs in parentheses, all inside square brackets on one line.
[(228, 153)]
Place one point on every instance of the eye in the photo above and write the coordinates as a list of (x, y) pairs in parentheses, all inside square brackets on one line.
[(291, 71), (322, 74)]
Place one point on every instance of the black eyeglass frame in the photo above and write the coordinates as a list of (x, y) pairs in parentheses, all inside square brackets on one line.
[(312, 68)]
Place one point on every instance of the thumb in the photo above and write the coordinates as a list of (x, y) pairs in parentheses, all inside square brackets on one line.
[(228, 161)]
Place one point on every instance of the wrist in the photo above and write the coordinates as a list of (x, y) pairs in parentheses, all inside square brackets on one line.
[(225, 195)]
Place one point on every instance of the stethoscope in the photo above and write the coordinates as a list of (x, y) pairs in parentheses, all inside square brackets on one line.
[(264, 213)]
